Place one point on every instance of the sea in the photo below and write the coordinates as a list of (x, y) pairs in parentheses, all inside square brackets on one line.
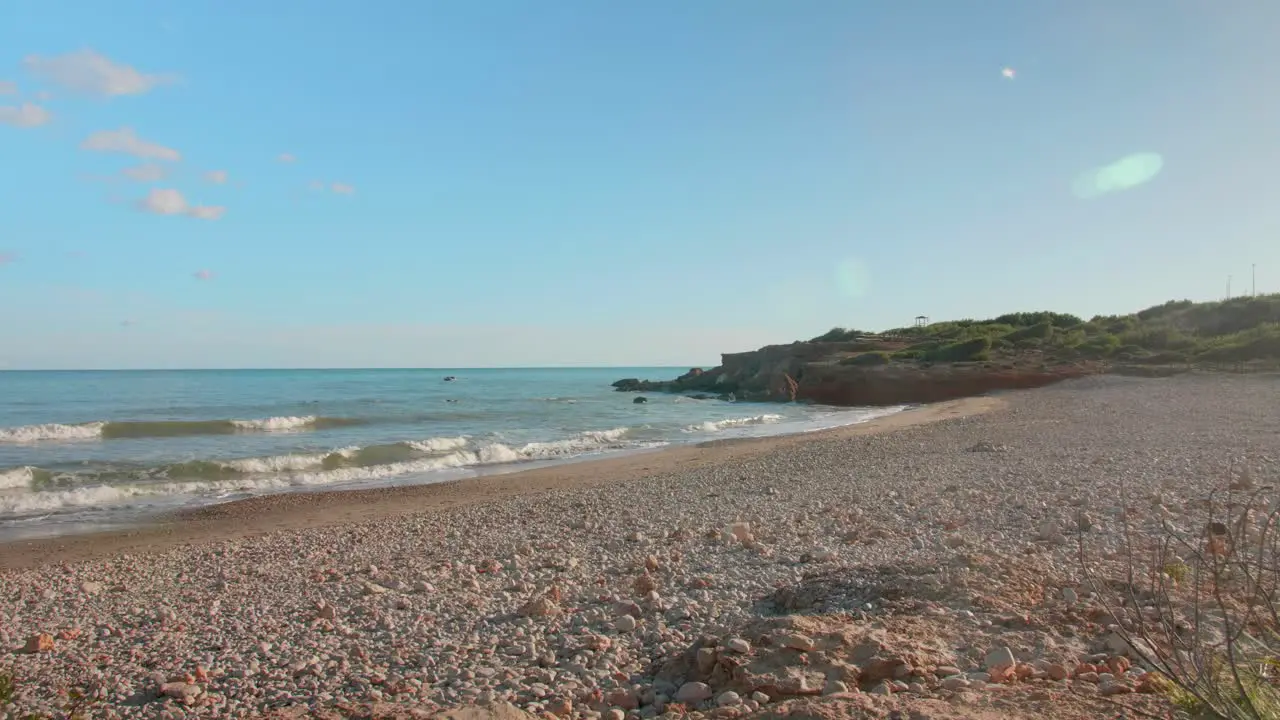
[(93, 450)]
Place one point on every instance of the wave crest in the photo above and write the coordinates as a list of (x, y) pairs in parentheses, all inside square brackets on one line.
[(718, 425), (104, 430)]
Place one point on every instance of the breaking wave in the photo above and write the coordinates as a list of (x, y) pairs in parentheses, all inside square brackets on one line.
[(718, 425), (51, 491), (102, 430)]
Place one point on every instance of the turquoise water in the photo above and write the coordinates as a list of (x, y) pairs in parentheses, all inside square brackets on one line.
[(82, 449)]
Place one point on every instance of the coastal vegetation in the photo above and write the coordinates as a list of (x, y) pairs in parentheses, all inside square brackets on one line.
[(1238, 330)]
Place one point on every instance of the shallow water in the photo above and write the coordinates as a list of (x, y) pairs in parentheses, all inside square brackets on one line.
[(87, 449)]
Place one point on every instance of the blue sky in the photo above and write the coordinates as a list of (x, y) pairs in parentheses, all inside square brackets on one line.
[(506, 182)]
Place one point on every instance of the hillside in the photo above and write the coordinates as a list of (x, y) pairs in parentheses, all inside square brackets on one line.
[(965, 357)]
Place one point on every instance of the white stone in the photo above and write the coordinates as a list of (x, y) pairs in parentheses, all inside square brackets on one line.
[(738, 645), (728, 699), (694, 692), (626, 623)]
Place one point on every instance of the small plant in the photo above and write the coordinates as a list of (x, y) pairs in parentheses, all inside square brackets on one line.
[(7, 689), (1202, 608)]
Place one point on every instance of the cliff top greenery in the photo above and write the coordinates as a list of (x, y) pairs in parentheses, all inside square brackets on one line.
[(1180, 331)]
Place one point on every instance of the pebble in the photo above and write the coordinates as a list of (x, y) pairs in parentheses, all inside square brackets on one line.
[(728, 699), (546, 625), (694, 692)]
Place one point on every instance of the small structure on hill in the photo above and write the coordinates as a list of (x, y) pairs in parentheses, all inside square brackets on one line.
[(922, 320)]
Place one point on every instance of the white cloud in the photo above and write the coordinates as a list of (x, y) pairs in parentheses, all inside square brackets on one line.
[(207, 212), (217, 177), (25, 115), (148, 172), (286, 158), (171, 202), (204, 275), (342, 188), (125, 140), (164, 202), (88, 72), (8, 87)]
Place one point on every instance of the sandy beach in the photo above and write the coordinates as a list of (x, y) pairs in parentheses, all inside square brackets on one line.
[(906, 567)]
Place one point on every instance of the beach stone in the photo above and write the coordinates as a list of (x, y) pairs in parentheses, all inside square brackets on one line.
[(694, 692), (540, 607), (944, 671), (760, 697), (39, 643), (834, 687), (728, 699), (955, 683), (1000, 659), (91, 587), (738, 645), (1070, 596), (796, 641), (1057, 672), (625, 624)]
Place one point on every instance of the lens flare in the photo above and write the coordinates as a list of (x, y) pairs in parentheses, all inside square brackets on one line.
[(1124, 174), (852, 278)]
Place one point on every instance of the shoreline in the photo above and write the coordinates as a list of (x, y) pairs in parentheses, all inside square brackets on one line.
[(308, 510)]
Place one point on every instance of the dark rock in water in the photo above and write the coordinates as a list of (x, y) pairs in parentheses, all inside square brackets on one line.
[(640, 401), (702, 396), (449, 378)]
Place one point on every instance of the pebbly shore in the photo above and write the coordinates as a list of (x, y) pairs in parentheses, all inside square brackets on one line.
[(930, 572)]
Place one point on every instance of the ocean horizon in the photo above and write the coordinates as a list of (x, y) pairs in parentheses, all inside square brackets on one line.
[(88, 449)]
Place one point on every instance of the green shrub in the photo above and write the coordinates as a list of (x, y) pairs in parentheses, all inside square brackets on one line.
[(966, 351), (1031, 335)]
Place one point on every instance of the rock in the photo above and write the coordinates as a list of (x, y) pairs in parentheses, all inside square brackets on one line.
[(955, 683), (834, 687), (820, 554), (325, 611), (706, 660), (371, 588), (741, 532), (91, 588), (760, 697), (625, 624), (1070, 596), (796, 641), (693, 693), (884, 688), (640, 400), (622, 698), (1057, 672), (614, 714), (1000, 659), (41, 643), (540, 607), (496, 711), (738, 645), (729, 699), (560, 707), (945, 671), (180, 690), (1089, 677), (644, 584)]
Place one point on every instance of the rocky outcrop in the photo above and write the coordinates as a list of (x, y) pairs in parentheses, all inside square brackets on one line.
[(828, 373)]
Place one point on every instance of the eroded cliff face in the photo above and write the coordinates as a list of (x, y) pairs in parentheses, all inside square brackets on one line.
[(821, 373)]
